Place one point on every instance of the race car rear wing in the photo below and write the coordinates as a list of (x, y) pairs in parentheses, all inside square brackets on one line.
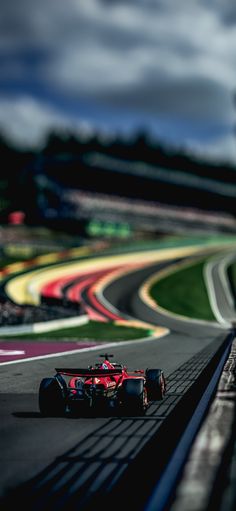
[(88, 372)]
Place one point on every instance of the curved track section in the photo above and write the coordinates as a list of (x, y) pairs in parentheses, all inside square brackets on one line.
[(57, 463), (134, 305)]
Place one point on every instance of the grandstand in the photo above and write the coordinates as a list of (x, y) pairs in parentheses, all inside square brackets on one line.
[(94, 186), (116, 188)]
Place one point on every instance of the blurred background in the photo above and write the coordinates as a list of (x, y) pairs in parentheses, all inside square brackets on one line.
[(117, 118)]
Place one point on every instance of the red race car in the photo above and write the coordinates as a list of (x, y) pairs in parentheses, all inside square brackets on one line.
[(106, 385)]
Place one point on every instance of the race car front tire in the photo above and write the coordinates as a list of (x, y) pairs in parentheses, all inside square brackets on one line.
[(51, 398)]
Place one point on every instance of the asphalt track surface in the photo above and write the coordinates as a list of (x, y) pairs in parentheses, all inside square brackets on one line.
[(71, 463)]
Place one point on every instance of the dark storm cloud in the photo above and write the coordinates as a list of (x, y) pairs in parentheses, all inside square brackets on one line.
[(162, 60), (196, 98)]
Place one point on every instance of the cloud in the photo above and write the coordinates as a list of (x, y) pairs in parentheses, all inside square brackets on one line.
[(221, 149), (159, 61), (27, 122)]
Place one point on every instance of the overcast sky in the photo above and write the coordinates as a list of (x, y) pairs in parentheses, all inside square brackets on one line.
[(168, 66)]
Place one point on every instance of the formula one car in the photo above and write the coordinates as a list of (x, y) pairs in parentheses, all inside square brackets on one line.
[(105, 386)]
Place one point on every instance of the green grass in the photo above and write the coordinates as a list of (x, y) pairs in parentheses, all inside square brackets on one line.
[(5, 260), (93, 330), (232, 276), (184, 293)]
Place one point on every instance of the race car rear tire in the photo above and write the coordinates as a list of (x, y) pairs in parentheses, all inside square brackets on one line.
[(51, 398), (134, 396), (156, 384)]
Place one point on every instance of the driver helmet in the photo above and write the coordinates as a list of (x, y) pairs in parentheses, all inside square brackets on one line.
[(106, 365)]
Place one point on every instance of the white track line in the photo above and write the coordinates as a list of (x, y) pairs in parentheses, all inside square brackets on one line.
[(83, 350)]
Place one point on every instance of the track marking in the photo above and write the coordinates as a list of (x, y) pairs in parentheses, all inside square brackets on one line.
[(27, 288), (87, 349), (208, 274)]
